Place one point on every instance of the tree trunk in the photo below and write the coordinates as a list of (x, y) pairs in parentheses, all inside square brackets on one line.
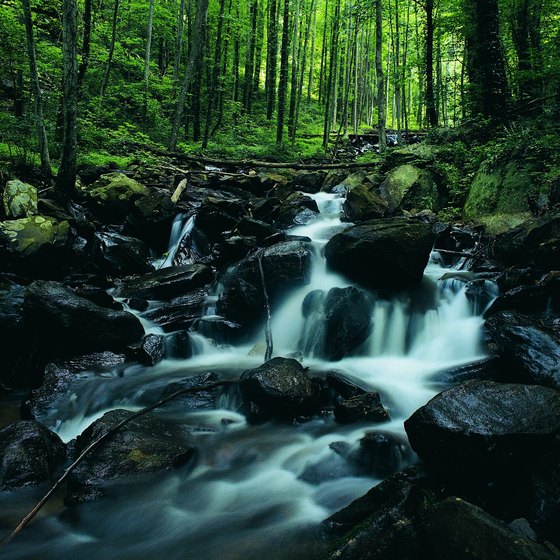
[(179, 45), (431, 111), (283, 85), (192, 65), (271, 60), (37, 95), (294, 79), (107, 72), (380, 77), (250, 57), (66, 179), (147, 56), (86, 44)]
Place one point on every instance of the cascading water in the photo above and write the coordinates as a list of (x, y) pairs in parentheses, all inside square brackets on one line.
[(258, 490)]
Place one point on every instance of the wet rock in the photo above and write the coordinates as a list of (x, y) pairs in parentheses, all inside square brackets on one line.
[(485, 370), (458, 530), (152, 350), (216, 216), (532, 352), (281, 388), (29, 454), (538, 299), (121, 255), (484, 426), (383, 454), (254, 228), (363, 203), (146, 444), (166, 283), (286, 265), (180, 313), (309, 181), (382, 254), (344, 386), (296, 209), (19, 199), (535, 243), (361, 408), (347, 321), (179, 345), (60, 376), (97, 295), (67, 323), (480, 293)]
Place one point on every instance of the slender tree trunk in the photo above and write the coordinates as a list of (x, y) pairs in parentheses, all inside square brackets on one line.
[(312, 54), (322, 68), (86, 44), (107, 72), (42, 139), (431, 111), (236, 58), (149, 30), (294, 79), (250, 57), (380, 77), (398, 71), (179, 45), (258, 51), (271, 60), (66, 179), (283, 85), (195, 54)]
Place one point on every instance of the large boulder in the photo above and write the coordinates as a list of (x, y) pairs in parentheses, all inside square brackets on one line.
[(121, 255), (483, 426), (457, 530), (297, 209), (532, 352), (181, 312), (364, 203), (166, 283), (285, 265), (535, 243), (146, 444), (361, 408), (29, 454), (382, 254), (280, 388), (69, 324), (348, 323), (19, 199), (410, 188)]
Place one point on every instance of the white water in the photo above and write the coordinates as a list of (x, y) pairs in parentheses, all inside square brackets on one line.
[(246, 498)]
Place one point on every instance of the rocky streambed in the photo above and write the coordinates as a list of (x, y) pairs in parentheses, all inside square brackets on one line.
[(410, 408)]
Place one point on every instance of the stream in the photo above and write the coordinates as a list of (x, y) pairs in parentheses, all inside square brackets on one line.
[(256, 491)]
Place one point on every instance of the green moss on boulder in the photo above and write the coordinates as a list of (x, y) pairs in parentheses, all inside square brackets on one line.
[(19, 199)]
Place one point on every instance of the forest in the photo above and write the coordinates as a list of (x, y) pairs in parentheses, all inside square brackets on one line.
[(280, 278)]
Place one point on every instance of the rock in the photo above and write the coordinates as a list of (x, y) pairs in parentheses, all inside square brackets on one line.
[(529, 299), (280, 388), (166, 283), (146, 444), (61, 375), (487, 369), (524, 346), (113, 196), (254, 228), (348, 314), (286, 265), (343, 386), (382, 254), (98, 296), (19, 199), (383, 454), (181, 312), (361, 408), (216, 216), (480, 292), (457, 530), (179, 345), (67, 323), (482, 426), (29, 454), (407, 188), (535, 243), (33, 237), (121, 255), (309, 181), (152, 350), (363, 203), (498, 197), (296, 209)]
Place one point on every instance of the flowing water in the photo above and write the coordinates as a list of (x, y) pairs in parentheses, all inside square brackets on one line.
[(257, 491)]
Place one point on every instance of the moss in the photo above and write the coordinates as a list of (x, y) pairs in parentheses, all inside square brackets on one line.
[(115, 187), (19, 199), (26, 236)]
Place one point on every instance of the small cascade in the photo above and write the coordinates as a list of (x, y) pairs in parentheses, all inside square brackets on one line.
[(180, 231)]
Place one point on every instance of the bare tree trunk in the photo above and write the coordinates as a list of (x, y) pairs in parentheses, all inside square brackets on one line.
[(294, 79), (195, 54), (380, 77), (105, 80), (283, 85), (271, 60), (147, 56), (179, 45), (42, 139), (431, 110), (86, 44), (66, 179)]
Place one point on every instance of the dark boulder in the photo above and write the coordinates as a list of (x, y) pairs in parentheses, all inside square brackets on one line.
[(297, 209), (151, 351), (482, 426), (146, 444), (286, 265), (166, 283), (68, 324), (363, 203), (29, 454), (457, 530), (343, 386), (281, 388), (538, 299), (361, 408), (181, 312), (309, 181), (348, 323), (121, 255), (487, 369), (382, 254), (530, 351), (217, 216), (383, 454), (534, 243)]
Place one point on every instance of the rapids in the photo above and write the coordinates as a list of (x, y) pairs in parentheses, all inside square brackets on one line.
[(257, 491)]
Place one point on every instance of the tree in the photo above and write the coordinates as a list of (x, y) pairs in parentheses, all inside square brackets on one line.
[(283, 84), (381, 102)]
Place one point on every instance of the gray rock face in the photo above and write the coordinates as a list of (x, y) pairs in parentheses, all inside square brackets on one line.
[(29, 454), (483, 425), (529, 350), (382, 254), (67, 322), (280, 388), (146, 444)]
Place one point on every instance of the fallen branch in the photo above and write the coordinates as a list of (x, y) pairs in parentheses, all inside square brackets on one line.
[(268, 327), (95, 444)]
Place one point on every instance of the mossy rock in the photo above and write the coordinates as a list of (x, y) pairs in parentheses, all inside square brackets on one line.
[(114, 195), (19, 199), (363, 203), (500, 198), (28, 236)]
